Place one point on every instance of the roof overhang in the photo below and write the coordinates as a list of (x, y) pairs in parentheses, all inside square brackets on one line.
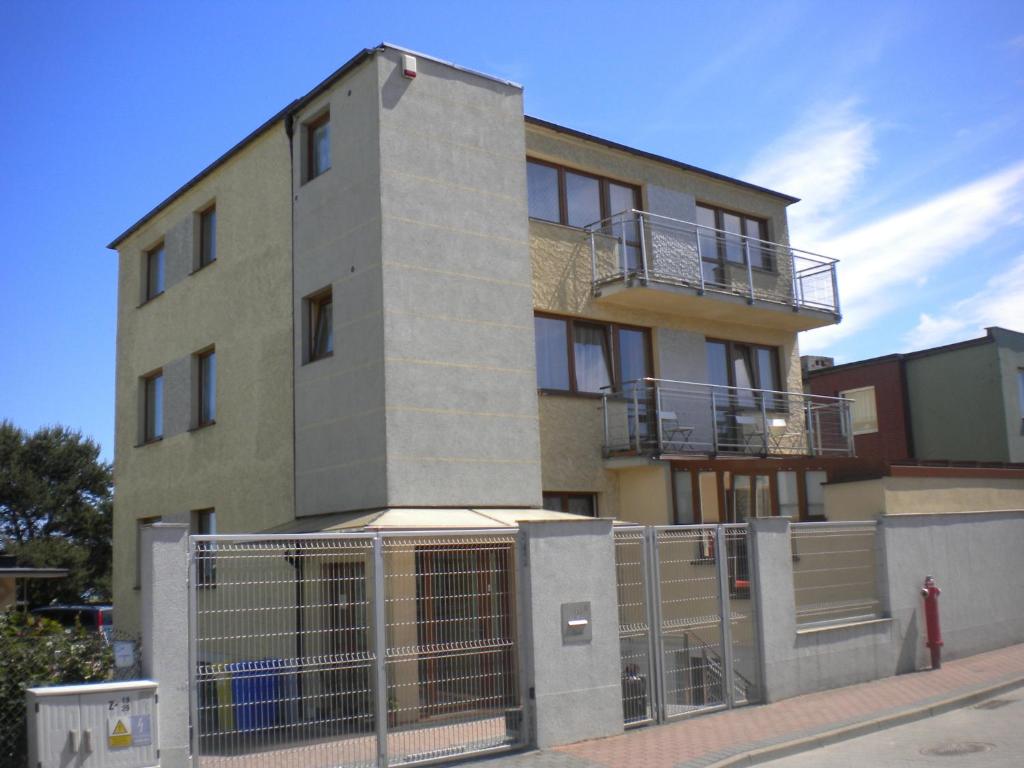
[(412, 519)]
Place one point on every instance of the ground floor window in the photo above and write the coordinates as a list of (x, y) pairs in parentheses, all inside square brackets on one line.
[(584, 504), (731, 491)]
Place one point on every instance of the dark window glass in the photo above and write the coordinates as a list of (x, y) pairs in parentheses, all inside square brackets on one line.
[(634, 362), (736, 236), (154, 407), (207, 236), (582, 200), (592, 358), (760, 253), (552, 353), (204, 523), (733, 241), (584, 504), (207, 388), (747, 366), (743, 375), (321, 324), (318, 137), (155, 272), (718, 364), (542, 191)]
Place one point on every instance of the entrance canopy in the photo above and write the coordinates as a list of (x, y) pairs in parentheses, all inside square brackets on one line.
[(406, 519)]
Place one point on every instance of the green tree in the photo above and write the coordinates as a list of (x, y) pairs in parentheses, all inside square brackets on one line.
[(56, 510)]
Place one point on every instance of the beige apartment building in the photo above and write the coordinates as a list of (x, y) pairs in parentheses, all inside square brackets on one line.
[(400, 299)]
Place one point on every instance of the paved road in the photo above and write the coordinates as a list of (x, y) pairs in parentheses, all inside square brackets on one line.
[(933, 742)]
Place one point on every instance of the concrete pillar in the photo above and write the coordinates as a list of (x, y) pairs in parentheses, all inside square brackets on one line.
[(573, 685), (771, 578), (165, 633)]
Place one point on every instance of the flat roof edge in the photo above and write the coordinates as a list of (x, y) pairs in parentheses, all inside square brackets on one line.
[(657, 158)]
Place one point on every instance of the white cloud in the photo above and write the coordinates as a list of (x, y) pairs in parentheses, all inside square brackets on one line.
[(884, 261), (821, 161), (998, 303)]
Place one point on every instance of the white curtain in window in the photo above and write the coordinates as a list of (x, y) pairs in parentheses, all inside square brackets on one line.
[(593, 369)]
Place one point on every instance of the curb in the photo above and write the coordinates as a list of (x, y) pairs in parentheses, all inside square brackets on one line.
[(807, 743)]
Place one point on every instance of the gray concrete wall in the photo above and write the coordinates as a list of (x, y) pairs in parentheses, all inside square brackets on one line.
[(796, 662), (165, 637), (339, 400), (461, 403), (956, 405), (975, 558), (574, 691)]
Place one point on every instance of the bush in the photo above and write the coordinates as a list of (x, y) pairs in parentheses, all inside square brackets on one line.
[(35, 652)]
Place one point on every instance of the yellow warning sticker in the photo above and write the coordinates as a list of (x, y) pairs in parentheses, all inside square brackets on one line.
[(119, 733)]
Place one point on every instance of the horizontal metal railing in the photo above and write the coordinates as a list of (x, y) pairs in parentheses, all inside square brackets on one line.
[(640, 245), (660, 416), (834, 572)]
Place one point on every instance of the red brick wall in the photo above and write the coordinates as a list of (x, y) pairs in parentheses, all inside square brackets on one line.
[(891, 442)]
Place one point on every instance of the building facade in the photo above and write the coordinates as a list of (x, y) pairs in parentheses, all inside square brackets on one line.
[(961, 402), (399, 293)]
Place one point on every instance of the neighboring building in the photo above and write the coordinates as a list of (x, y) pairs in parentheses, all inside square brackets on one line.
[(355, 308), (15, 578), (961, 402)]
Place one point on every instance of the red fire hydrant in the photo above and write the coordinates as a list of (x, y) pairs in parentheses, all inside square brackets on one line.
[(931, 593)]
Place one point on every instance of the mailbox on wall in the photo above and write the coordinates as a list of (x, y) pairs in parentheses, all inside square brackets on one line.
[(107, 725)]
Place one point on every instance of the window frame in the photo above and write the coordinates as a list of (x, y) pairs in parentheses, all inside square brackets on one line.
[(310, 128), (603, 193), (611, 334), (206, 567), (203, 253), (565, 496), (147, 294), (149, 434), (140, 523), (314, 308), (722, 261), (874, 397), (201, 419)]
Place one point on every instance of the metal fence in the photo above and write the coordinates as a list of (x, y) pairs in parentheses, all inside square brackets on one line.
[(353, 649), (834, 572), (686, 624)]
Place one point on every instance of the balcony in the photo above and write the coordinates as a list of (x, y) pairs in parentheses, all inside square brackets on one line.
[(643, 260), (657, 417)]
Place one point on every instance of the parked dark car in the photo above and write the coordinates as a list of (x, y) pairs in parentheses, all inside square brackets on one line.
[(99, 618)]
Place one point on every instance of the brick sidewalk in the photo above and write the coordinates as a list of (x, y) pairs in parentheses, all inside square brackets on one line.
[(703, 740)]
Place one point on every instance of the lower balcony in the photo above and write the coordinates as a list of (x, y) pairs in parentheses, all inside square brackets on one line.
[(658, 417)]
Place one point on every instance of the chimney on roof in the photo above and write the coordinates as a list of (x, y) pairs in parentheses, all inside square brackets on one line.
[(810, 363)]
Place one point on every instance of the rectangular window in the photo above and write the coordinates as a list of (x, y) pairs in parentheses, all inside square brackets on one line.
[(320, 311), (682, 488), (154, 272), (789, 499), (749, 367), (863, 412), (206, 388), (204, 523), (575, 198), (815, 493), (586, 357), (584, 504), (153, 407), (207, 236), (725, 237), (141, 523), (318, 146)]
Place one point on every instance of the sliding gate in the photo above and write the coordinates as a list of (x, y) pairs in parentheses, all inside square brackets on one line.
[(686, 622), (337, 650)]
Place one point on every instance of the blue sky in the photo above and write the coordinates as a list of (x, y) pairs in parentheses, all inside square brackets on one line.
[(899, 124)]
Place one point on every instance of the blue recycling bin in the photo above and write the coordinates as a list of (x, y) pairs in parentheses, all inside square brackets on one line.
[(256, 693)]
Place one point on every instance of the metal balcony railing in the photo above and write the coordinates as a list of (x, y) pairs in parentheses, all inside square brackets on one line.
[(637, 245), (662, 417)]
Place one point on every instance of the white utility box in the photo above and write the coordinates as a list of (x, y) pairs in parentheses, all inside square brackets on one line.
[(105, 725)]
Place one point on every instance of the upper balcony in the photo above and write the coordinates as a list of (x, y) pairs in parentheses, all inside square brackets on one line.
[(658, 417), (644, 260)]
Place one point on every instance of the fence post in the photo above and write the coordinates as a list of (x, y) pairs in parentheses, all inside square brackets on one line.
[(725, 615), (567, 573), (652, 574), (380, 652), (771, 580), (165, 646)]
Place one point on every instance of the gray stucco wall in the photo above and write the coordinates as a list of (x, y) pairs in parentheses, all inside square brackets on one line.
[(577, 692), (461, 404), (957, 408), (339, 401)]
